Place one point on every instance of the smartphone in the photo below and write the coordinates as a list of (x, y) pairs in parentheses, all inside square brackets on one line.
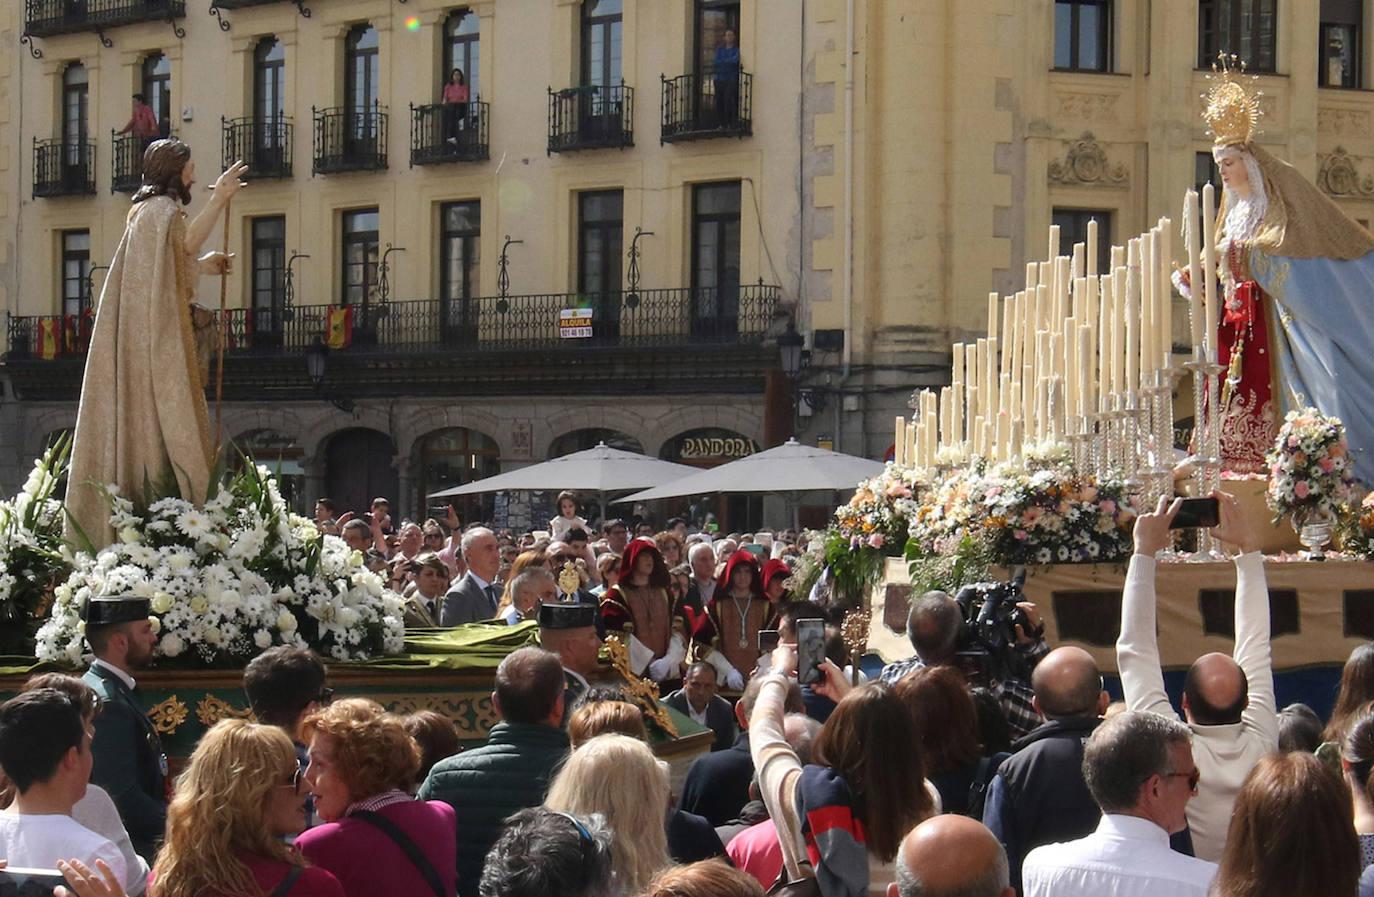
[(19, 882), (1197, 513), (768, 640), (810, 650)]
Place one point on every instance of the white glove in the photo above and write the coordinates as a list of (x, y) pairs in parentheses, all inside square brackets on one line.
[(734, 681), (1176, 278), (640, 655), (677, 648), (664, 668)]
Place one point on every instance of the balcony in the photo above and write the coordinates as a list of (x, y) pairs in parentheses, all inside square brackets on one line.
[(707, 104), (126, 162), (46, 18), (591, 117), (442, 132), (674, 340), (349, 140), (62, 168), (264, 145)]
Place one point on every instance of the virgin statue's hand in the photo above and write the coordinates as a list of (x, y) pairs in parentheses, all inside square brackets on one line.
[(217, 263), (229, 183)]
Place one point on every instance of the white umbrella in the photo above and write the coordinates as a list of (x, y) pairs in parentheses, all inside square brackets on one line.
[(790, 468), (601, 470)]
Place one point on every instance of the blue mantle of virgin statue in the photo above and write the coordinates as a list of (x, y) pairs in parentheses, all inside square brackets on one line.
[(1325, 341)]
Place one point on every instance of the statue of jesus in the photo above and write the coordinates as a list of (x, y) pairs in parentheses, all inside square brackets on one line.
[(143, 424)]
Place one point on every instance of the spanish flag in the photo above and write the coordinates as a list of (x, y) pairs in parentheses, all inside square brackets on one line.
[(69, 334), (340, 334), (49, 338)]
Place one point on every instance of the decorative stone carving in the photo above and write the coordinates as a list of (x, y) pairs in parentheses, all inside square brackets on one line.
[(1095, 107), (1085, 163), (1345, 122), (1339, 175)]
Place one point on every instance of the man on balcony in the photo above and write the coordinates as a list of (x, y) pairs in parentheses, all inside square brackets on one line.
[(725, 71), (143, 123)]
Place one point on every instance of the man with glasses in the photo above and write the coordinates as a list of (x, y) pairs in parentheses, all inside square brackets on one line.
[(128, 758), (284, 685), (1140, 770), (617, 535)]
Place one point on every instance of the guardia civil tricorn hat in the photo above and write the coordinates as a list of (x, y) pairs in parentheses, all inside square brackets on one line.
[(567, 616), (109, 611)]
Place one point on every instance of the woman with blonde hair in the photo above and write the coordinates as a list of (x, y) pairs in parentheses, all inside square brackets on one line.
[(377, 838), (241, 794), (618, 777)]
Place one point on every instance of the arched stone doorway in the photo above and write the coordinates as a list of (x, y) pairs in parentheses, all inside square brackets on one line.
[(710, 447), (358, 468), (452, 457), (580, 440)]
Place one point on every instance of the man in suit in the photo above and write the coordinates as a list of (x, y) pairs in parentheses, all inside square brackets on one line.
[(698, 699), (476, 595), (703, 559), (128, 758), (569, 630)]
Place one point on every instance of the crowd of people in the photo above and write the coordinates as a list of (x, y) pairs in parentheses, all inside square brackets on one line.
[(931, 778)]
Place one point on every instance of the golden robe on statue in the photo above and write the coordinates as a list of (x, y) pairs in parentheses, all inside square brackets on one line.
[(143, 423)]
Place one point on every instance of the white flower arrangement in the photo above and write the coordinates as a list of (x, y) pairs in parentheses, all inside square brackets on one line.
[(32, 554), (228, 580)]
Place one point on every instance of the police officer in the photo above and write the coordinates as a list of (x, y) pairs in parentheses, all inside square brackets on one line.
[(569, 630), (129, 762)]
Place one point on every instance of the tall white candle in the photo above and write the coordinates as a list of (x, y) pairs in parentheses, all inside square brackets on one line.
[(993, 315), (1193, 240), (1119, 328), (1091, 260), (970, 381), (899, 441), (946, 417), (1053, 252), (1147, 300), (1209, 271), (1008, 335), (1104, 338), (957, 411), (1132, 316), (1032, 274), (957, 366), (1166, 291)]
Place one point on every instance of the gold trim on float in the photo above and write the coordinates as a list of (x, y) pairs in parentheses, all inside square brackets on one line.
[(643, 692), (210, 710), (167, 716)]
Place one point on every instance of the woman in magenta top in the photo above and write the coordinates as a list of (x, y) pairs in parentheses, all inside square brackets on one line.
[(455, 103), (376, 839), (241, 795)]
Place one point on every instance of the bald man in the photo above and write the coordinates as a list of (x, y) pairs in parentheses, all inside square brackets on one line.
[(1228, 702), (1038, 795), (950, 855)]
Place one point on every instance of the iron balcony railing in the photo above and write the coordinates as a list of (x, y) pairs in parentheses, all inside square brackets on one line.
[(240, 4), (715, 102), (647, 319), (45, 18), (448, 132), (593, 116), (350, 139), (264, 144), (48, 336), (63, 168)]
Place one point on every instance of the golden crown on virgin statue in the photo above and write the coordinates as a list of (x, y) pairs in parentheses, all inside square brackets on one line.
[(1232, 112)]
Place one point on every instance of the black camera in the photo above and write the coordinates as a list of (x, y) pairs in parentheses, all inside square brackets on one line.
[(987, 641)]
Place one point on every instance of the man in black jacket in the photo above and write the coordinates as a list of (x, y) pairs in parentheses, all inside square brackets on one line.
[(512, 771), (698, 699), (129, 762), (1039, 795), (717, 784)]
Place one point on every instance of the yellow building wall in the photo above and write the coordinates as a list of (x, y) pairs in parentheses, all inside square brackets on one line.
[(526, 47)]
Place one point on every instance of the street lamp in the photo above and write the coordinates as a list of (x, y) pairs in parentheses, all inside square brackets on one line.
[(790, 345), (315, 358)]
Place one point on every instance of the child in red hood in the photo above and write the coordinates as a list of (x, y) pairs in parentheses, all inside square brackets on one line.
[(642, 610), (727, 632)]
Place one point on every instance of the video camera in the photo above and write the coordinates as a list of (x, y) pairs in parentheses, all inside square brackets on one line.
[(987, 641)]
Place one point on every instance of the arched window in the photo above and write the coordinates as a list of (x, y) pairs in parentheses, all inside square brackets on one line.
[(269, 90), (157, 89), (362, 68), (453, 457), (75, 96), (462, 48), (580, 440)]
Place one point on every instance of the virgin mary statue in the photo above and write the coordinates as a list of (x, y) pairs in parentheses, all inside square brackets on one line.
[(1298, 285), (142, 424)]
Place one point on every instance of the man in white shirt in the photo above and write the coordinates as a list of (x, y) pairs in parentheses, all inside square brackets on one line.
[(45, 749), (1228, 702), (698, 699), (1140, 771)]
